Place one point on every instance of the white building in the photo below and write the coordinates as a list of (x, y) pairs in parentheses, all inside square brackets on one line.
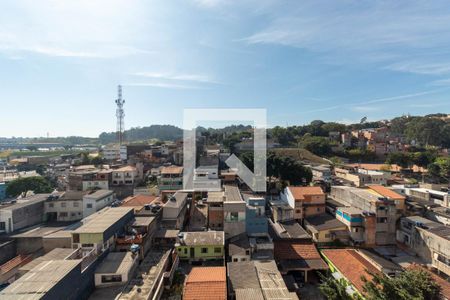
[(63, 207), (206, 178), (111, 152), (125, 176), (26, 212), (433, 196), (96, 201), (116, 269), (95, 184), (174, 210)]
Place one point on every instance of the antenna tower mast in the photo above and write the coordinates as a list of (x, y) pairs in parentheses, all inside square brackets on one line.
[(120, 114)]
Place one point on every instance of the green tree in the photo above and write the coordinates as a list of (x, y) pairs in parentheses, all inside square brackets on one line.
[(434, 170), (402, 159), (333, 289), (36, 184), (423, 159), (284, 168), (332, 126), (444, 166), (317, 145), (282, 135), (414, 284), (425, 130)]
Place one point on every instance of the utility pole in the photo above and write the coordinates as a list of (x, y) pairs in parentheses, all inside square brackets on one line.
[(120, 114)]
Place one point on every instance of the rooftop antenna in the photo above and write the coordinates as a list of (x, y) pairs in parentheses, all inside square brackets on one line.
[(120, 114)]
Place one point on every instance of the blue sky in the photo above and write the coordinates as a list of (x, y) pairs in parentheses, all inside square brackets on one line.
[(61, 61)]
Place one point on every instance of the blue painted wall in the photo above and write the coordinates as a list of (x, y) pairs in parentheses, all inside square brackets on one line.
[(255, 219), (2, 190)]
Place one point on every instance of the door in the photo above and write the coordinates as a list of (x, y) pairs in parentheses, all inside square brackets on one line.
[(192, 252)]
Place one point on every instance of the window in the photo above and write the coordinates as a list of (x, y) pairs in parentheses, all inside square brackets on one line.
[(247, 252), (185, 250), (243, 259), (51, 205), (318, 209), (234, 216), (76, 204), (76, 238), (217, 250), (111, 278), (89, 205), (204, 250), (382, 220), (72, 214), (63, 204), (443, 259), (2, 226), (235, 260), (63, 214), (298, 211)]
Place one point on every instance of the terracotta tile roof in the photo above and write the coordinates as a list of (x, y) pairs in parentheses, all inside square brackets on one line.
[(444, 284), (299, 192), (206, 283), (126, 169), (139, 200), (351, 265), (172, 170), (385, 192), (285, 250)]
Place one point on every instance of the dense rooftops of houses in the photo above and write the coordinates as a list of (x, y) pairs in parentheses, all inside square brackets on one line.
[(302, 192), (172, 170), (39, 282), (232, 194), (206, 283), (209, 238), (102, 222), (139, 200), (289, 230), (323, 222), (216, 197), (25, 202), (99, 194), (350, 265), (125, 169), (116, 263), (176, 200), (257, 280)]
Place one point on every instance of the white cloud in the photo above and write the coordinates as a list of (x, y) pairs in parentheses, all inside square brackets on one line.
[(365, 108), (412, 37), (178, 77), (165, 85), (83, 29), (361, 106), (427, 105), (209, 3), (441, 82), (421, 67)]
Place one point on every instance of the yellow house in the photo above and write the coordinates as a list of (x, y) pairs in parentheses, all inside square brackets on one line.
[(325, 228)]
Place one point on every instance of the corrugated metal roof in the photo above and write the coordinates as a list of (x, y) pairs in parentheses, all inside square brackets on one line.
[(103, 221)]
